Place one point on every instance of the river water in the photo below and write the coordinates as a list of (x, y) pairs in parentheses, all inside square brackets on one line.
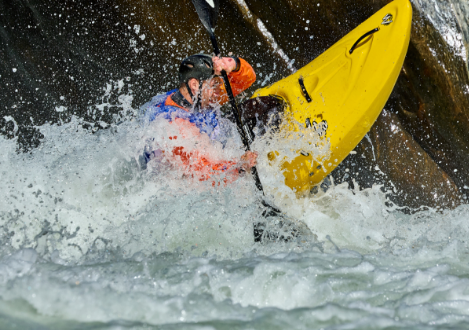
[(91, 241)]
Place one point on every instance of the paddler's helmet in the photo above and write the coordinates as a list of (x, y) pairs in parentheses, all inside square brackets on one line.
[(199, 66)]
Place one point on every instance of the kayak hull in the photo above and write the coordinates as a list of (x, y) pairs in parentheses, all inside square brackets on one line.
[(342, 92)]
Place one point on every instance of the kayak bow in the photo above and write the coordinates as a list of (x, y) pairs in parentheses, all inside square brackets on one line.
[(342, 92)]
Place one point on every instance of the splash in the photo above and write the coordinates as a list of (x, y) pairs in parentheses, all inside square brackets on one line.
[(88, 236), (260, 26)]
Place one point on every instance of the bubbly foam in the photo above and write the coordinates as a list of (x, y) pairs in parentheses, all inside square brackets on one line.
[(88, 236)]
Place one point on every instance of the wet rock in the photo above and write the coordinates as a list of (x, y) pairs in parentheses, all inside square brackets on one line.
[(432, 94), (417, 180), (450, 19), (305, 29)]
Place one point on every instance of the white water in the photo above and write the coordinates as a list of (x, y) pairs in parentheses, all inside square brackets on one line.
[(89, 241)]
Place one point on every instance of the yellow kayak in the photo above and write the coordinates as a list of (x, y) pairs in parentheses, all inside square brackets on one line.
[(341, 93)]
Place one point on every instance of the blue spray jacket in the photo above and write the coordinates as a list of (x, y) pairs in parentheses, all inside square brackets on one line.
[(206, 121)]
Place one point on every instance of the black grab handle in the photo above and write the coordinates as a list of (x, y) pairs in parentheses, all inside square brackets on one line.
[(303, 89), (361, 38)]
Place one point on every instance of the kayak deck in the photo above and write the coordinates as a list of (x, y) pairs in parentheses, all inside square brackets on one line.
[(341, 93)]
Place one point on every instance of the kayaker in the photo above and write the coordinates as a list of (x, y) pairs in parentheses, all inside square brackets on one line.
[(194, 106)]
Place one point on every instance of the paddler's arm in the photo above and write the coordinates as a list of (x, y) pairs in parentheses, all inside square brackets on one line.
[(200, 164), (240, 73), (248, 160), (204, 165), (203, 168)]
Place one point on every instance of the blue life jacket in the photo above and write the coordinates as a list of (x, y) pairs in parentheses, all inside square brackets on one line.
[(206, 121)]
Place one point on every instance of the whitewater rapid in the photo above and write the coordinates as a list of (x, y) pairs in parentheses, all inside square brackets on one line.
[(90, 240)]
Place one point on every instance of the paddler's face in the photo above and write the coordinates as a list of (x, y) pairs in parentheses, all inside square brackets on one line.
[(211, 92)]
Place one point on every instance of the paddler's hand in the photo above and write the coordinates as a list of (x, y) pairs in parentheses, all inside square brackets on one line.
[(224, 63), (249, 160)]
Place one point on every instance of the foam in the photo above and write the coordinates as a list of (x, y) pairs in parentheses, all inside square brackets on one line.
[(87, 236)]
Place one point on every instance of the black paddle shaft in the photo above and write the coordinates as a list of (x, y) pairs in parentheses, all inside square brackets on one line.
[(243, 130), (245, 135), (208, 14)]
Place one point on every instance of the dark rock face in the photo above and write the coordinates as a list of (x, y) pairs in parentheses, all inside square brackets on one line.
[(432, 95), (64, 58), (305, 29), (417, 180)]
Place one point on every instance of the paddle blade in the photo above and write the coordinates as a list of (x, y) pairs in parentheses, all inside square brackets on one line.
[(208, 13)]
